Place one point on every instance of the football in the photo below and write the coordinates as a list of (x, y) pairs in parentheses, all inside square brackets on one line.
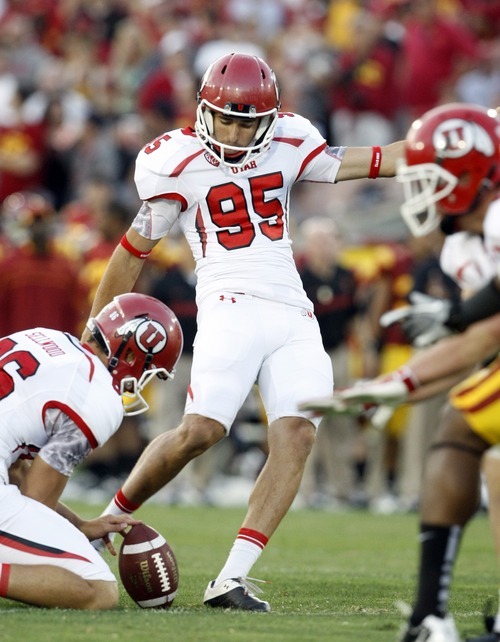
[(148, 567)]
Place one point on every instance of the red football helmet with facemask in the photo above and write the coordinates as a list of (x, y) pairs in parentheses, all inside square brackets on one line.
[(243, 86), (141, 338), (452, 157)]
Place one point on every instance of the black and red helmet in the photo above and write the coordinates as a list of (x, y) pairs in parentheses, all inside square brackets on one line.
[(141, 338)]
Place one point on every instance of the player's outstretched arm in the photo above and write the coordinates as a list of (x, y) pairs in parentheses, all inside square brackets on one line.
[(426, 374), (370, 162), (458, 353)]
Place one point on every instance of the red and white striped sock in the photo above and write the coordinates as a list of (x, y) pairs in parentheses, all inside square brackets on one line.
[(245, 551), (120, 505), (4, 579)]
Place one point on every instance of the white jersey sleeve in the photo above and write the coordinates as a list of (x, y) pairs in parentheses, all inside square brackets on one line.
[(464, 258), (491, 233), (472, 260), (236, 220)]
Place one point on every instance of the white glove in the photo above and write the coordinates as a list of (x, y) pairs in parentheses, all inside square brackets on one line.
[(423, 321), (377, 392), (392, 391), (333, 405)]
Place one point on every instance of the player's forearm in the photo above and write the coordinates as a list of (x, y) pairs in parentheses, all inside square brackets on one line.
[(434, 388), (120, 276), (68, 514), (363, 162), (457, 353)]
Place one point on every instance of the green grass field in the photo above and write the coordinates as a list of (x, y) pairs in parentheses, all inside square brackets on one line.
[(333, 576)]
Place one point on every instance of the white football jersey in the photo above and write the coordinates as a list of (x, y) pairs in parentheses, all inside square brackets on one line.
[(45, 375), (472, 260), (236, 220)]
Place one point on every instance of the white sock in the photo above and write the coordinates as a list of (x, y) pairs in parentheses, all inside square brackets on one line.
[(120, 505), (244, 553)]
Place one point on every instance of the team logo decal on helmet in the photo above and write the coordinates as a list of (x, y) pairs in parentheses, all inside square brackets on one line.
[(457, 137), (150, 336), (142, 339)]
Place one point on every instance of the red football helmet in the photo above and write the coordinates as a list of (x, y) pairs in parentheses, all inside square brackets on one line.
[(243, 86), (452, 157), (141, 338)]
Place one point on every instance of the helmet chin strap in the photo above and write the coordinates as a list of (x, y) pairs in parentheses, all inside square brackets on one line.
[(115, 359)]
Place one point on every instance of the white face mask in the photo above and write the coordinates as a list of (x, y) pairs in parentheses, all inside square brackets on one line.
[(423, 185), (204, 128), (131, 390)]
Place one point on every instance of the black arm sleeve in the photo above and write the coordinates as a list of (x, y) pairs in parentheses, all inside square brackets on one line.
[(484, 303)]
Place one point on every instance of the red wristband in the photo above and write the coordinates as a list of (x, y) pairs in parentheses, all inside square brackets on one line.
[(408, 377), (124, 242), (376, 162), (4, 579)]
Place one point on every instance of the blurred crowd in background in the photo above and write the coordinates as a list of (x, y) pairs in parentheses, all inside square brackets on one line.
[(84, 84)]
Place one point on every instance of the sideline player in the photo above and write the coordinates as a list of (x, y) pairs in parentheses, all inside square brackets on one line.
[(452, 174), (59, 399), (227, 183)]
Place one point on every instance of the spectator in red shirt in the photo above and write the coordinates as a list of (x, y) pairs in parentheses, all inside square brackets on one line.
[(365, 94), (436, 50), (39, 286), (22, 150)]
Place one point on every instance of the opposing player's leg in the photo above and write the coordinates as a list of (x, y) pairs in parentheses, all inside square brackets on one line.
[(491, 471), (451, 489), (450, 497)]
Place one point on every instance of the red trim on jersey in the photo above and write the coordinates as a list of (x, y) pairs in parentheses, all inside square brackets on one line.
[(35, 548), (92, 364), (74, 416), (486, 401), (127, 245), (376, 162), (4, 579), (188, 131), (202, 231), (296, 142), (173, 196), (182, 166), (465, 391), (254, 537), (309, 157)]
